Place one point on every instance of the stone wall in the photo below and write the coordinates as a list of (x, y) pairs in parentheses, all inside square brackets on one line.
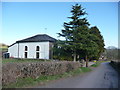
[(12, 71), (116, 63)]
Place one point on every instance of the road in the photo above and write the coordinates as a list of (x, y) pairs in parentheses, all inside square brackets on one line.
[(103, 76)]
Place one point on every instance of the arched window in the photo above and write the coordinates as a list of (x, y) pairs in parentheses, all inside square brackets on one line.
[(26, 48), (37, 52), (37, 48)]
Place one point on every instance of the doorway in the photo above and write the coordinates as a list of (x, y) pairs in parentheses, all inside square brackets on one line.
[(37, 55), (26, 54)]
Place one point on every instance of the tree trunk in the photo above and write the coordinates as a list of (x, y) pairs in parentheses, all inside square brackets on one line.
[(86, 61), (74, 57)]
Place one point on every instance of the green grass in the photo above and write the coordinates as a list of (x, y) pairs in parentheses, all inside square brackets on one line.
[(21, 60), (85, 69), (94, 65), (24, 82), (98, 63)]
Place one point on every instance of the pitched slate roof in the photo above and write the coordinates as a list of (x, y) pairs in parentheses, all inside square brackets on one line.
[(38, 38)]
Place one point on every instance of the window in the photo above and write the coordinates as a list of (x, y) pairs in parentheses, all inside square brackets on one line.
[(37, 52), (37, 48), (26, 48), (25, 54)]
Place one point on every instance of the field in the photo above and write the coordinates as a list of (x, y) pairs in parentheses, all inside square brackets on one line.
[(3, 47)]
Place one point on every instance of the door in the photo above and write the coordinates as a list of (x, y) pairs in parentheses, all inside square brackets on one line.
[(37, 55), (25, 54)]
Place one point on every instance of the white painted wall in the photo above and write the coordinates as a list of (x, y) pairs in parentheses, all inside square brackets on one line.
[(13, 50), (43, 53)]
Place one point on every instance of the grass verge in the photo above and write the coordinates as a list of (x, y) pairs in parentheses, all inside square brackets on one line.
[(98, 63), (4, 61), (25, 82)]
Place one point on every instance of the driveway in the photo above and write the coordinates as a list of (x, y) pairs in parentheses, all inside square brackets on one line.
[(103, 76)]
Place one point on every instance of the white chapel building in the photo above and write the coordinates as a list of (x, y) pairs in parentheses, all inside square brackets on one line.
[(35, 47)]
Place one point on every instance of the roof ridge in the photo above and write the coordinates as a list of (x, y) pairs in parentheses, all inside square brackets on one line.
[(38, 37)]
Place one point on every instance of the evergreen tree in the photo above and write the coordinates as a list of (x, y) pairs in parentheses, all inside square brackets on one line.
[(79, 39), (60, 52), (99, 40), (85, 43), (71, 30)]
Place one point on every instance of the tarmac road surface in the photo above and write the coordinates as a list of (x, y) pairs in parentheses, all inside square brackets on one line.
[(103, 76)]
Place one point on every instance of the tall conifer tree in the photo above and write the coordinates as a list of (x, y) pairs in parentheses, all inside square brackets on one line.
[(79, 39), (99, 40), (70, 31)]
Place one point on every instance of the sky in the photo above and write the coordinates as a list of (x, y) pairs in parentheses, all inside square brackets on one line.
[(21, 20), (60, 0)]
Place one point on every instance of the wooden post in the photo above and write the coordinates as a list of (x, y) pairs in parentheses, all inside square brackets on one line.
[(86, 61), (74, 57)]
